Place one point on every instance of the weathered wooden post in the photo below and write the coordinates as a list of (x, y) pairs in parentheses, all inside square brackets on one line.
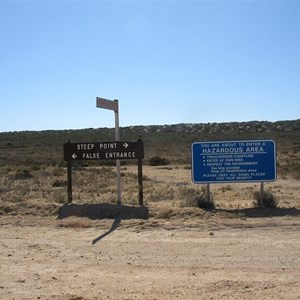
[(69, 179), (113, 105), (140, 174)]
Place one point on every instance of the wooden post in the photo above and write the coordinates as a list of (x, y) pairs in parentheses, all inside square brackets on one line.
[(69, 181), (140, 176)]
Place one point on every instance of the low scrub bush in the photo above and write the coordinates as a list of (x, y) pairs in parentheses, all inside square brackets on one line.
[(227, 188), (158, 161), (266, 200), (204, 202), (188, 196), (193, 198), (22, 175), (59, 183)]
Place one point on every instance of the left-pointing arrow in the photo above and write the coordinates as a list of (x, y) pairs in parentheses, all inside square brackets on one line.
[(74, 156)]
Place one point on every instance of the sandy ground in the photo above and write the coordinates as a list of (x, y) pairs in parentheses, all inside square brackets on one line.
[(204, 256), (175, 252)]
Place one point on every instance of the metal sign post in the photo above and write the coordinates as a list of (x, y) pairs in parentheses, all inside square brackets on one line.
[(113, 105), (118, 163)]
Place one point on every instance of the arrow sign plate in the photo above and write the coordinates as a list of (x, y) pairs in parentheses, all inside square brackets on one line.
[(103, 150)]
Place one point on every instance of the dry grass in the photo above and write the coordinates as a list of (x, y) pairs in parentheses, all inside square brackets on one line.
[(94, 185)]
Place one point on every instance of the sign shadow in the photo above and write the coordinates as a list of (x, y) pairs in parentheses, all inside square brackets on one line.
[(114, 226), (103, 211), (263, 212)]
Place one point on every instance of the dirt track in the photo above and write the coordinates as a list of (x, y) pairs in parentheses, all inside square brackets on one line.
[(186, 258)]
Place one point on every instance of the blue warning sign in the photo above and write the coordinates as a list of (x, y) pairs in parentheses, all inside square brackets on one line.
[(234, 161)]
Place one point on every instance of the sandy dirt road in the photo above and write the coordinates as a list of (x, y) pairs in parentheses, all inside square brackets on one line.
[(45, 258)]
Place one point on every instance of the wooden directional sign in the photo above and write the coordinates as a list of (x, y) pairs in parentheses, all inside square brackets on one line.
[(103, 150), (107, 104)]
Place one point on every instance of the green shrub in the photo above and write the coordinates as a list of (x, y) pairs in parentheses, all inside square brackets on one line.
[(158, 161), (187, 196), (35, 168), (204, 202), (267, 200), (22, 175), (228, 187), (59, 183), (192, 198)]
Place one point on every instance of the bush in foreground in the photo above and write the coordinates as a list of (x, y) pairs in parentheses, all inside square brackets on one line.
[(23, 175), (204, 202), (158, 161), (267, 200), (193, 198)]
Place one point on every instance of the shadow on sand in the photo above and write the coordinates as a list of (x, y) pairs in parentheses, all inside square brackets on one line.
[(103, 211), (264, 212), (113, 227)]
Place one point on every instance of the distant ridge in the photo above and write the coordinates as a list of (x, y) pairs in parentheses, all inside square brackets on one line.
[(170, 141), (276, 125)]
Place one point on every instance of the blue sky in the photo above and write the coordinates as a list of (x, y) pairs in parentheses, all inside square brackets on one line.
[(167, 62)]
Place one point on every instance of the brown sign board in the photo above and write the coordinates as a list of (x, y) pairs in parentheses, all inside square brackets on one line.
[(111, 150)]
